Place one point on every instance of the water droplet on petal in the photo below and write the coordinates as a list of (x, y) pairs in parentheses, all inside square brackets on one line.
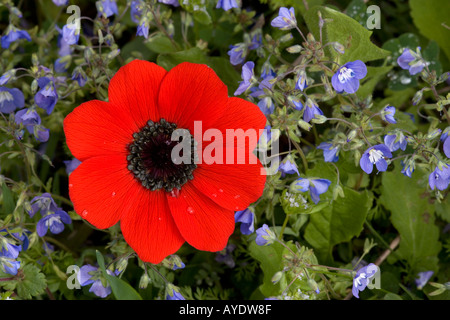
[(70, 185), (175, 193), (113, 194), (237, 196), (214, 195), (220, 190), (159, 218), (236, 208), (84, 213), (190, 210)]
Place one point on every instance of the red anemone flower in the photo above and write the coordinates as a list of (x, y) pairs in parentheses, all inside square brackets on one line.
[(127, 173)]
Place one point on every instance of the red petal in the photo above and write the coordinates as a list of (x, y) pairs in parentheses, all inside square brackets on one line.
[(98, 187), (93, 129), (135, 89), (192, 92), (202, 223), (233, 187), (148, 226)]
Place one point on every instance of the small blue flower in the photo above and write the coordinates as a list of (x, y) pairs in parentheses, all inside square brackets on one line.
[(41, 134), (225, 255), (423, 278), (362, 278), (347, 77), (107, 8), (247, 75), (12, 35), (9, 250), (330, 152), (70, 34), (43, 203), (444, 134), (136, 10), (247, 218), (264, 236), (89, 274), (408, 168), (301, 83), (395, 141), (311, 110), (285, 20), (4, 79), (71, 165), (266, 105), (61, 65), (9, 265), (288, 166), (29, 118), (60, 2), (174, 3), (79, 76), (226, 4), (142, 29), (181, 266), (411, 61), (316, 187), (11, 99), (446, 147), (173, 293), (388, 114), (53, 222), (439, 179), (238, 53), (298, 105), (47, 96), (375, 155)]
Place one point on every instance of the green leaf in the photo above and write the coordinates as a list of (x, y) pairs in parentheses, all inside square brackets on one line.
[(170, 60), (428, 16), (28, 283), (413, 217), (337, 223), (374, 76), (121, 289), (160, 44), (346, 31), (8, 204)]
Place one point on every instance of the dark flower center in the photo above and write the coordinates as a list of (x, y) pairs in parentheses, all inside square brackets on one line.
[(152, 162)]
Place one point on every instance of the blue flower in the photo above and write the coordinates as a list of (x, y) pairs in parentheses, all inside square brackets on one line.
[(174, 3), (238, 53), (298, 105), (60, 2), (9, 250), (71, 165), (11, 99), (70, 34), (226, 4), (439, 178), (225, 256), (423, 278), (347, 77), (444, 134), (47, 96), (173, 293), (142, 29), (247, 75), (446, 147), (107, 8), (285, 20), (264, 236), (89, 274), (375, 155), (181, 266), (330, 152), (395, 141), (362, 278), (43, 203), (79, 76), (31, 120), (61, 64), (288, 166), (247, 218), (316, 187), (411, 61), (301, 83), (53, 222), (311, 110), (266, 105), (136, 9), (408, 168), (4, 79), (12, 35), (9, 265), (388, 114)]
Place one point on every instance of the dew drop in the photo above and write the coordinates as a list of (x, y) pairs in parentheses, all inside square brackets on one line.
[(175, 193), (84, 213), (190, 210), (236, 208), (70, 185), (113, 194), (159, 218), (214, 195), (220, 190), (237, 196)]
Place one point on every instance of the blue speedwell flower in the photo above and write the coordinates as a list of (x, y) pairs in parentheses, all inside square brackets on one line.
[(411, 61), (247, 219), (238, 53), (53, 222), (285, 20), (301, 83), (9, 265), (395, 141), (446, 147), (142, 29), (388, 114), (60, 2), (375, 155), (32, 122), (408, 168), (264, 236), (174, 3), (247, 75), (12, 35), (89, 274), (4, 79), (347, 77), (311, 110), (440, 178), (136, 9), (330, 152), (79, 76), (11, 99), (7, 249), (107, 8), (288, 166), (316, 187), (362, 278), (226, 4), (173, 293), (70, 34), (423, 278), (47, 96)]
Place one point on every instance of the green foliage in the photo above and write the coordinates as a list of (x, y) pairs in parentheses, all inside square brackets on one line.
[(30, 282)]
